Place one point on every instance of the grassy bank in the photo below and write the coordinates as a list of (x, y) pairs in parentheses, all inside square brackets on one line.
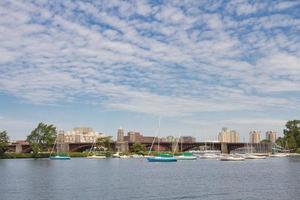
[(22, 155), (41, 155), (11, 155)]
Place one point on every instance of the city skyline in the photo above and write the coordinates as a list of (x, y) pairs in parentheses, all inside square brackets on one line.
[(200, 66)]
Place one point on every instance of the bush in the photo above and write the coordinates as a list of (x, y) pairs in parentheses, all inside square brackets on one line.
[(16, 155), (298, 150), (78, 154)]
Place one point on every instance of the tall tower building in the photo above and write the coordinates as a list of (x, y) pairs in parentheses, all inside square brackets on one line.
[(120, 136), (230, 136), (271, 136), (254, 136)]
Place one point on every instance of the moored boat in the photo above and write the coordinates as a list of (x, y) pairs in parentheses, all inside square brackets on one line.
[(116, 155), (161, 159), (278, 155), (209, 156), (232, 158), (58, 157), (124, 157), (186, 156), (137, 156), (96, 157), (252, 156)]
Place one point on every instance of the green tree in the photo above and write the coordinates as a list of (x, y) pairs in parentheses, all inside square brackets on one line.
[(138, 148), (104, 142), (281, 141), (292, 134), (41, 138), (4, 141)]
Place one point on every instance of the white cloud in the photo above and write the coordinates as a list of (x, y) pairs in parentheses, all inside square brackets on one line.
[(185, 62)]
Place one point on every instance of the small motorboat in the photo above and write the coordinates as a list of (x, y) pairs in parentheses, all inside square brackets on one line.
[(96, 157), (278, 155), (232, 158), (252, 156), (116, 155), (183, 157), (137, 156), (58, 157), (161, 159), (209, 156), (124, 157)]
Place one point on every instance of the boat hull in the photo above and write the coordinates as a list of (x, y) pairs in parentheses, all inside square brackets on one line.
[(162, 159), (96, 157), (232, 159), (186, 157), (60, 158)]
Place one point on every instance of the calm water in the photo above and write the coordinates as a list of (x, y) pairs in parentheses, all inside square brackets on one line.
[(276, 178)]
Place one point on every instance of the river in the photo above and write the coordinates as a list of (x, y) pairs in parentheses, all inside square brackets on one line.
[(121, 179)]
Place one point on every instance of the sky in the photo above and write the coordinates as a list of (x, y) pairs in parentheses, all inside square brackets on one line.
[(197, 65)]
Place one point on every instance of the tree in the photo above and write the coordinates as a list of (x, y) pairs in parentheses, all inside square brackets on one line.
[(138, 148), (4, 141), (280, 141), (104, 142), (292, 134), (41, 138)]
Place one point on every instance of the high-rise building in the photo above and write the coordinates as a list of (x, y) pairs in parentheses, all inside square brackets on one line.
[(230, 136), (254, 136), (120, 136), (271, 136)]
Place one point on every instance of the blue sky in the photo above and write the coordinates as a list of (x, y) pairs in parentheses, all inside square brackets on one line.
[(200, 65)]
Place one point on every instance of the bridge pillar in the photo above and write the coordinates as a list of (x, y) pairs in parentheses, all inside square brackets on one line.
[(224, 148), (122, 146), (19, 148)]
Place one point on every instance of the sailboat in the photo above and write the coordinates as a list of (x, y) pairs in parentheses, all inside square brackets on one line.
[(160, 157), (231, 158), (251, 155), (184, 155), (59, 155), (94, 155)]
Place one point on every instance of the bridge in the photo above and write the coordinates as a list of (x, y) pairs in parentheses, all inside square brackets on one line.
[(163, 146)]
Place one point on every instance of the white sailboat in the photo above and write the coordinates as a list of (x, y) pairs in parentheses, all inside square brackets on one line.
[(231, 158), (92, 153)]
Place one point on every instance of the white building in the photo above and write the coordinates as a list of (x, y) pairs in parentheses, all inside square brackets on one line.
[(254, 136), (79, 135), (230, 136), (271, 136)]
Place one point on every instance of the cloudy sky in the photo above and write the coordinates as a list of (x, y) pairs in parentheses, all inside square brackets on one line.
[(199, 65)]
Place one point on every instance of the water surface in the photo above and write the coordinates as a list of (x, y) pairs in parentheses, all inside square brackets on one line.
[(114, 179)]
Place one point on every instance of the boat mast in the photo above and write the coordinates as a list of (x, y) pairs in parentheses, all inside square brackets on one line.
[(53, 146), (157, 135), (157, 131), (180, 143)]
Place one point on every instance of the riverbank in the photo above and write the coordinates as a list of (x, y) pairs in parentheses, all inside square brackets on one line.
[(41, 155), (11, 155)]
